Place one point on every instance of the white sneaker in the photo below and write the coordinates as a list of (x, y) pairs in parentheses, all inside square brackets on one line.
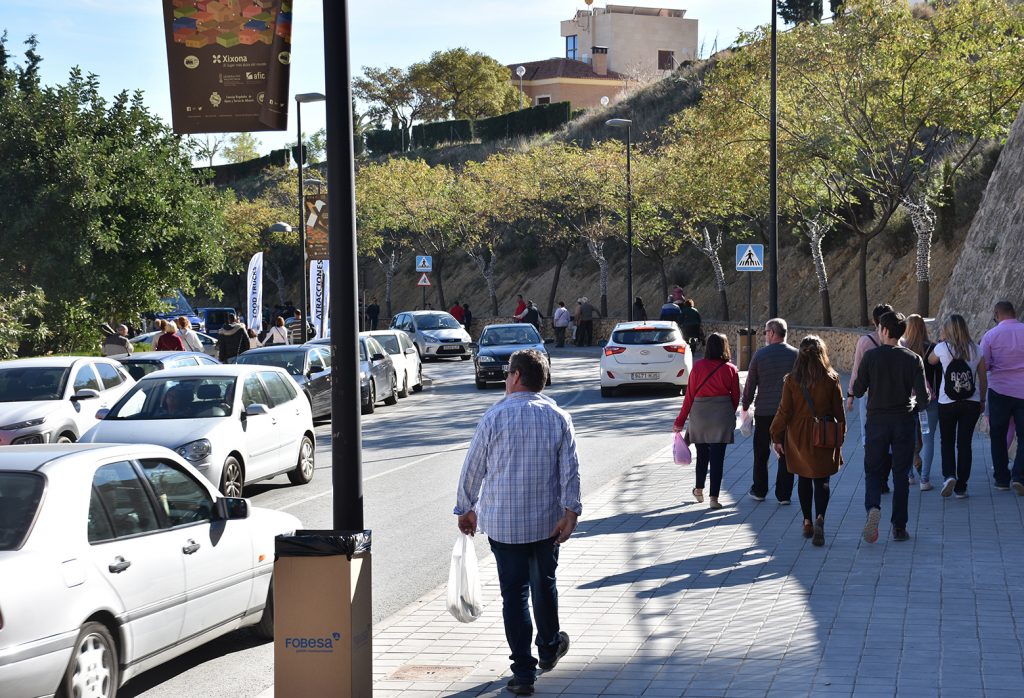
[(947, 486), (925, 486)]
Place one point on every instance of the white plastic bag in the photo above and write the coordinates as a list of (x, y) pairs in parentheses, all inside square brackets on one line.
[(465, 597), (682, 453), (746, 423)]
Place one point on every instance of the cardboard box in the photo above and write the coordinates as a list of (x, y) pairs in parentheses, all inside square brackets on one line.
[(323, 627)]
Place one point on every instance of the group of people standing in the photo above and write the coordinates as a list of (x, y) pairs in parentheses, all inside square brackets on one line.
[(905, 387), (578, 325)]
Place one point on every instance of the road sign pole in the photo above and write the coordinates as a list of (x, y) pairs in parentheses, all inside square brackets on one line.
[(750, 336)]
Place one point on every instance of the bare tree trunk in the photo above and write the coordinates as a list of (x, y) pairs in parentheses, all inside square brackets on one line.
[(390, 264), (559, 263), (924, 220), (486, 266), (443, 305), (816, 232), (278, 278), (709, 248), (862, 281), (664, 279), (596, 248)]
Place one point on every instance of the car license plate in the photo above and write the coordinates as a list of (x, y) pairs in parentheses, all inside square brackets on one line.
[(505, 368), (646, 376), (452, 347)]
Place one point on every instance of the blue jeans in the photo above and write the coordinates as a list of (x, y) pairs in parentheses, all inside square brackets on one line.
[(896, 434), (527, 570), (928, 441), (1000, 409)]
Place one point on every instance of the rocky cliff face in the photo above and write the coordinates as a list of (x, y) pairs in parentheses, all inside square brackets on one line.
[(991, 263)]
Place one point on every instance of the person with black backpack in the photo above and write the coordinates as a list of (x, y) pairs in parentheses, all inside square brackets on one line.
[(961, 401)]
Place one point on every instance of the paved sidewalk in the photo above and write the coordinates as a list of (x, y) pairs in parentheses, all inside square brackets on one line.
[(663, 597)]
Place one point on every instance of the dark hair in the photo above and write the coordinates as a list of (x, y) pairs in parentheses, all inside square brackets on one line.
[(894, 323), (232, 318), (1005, 308), (298, 314), (717, 347), (532, 367), (279, 321), (812, 364), (880, 310), (688, 302)]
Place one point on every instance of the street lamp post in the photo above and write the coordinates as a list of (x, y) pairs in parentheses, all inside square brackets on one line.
[(521, 71), (773, 184), (301, 99), (627, 124)]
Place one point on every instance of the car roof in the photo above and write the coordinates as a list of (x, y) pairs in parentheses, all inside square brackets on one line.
[(276, 347), (379, 333), (50, 361), (215, 371), (26, 458), (428, 312), (516, 325), (160, 355), (658, 324)]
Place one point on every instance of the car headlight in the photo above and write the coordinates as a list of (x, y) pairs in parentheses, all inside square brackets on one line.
[(431, 340), (23, 425), (195, 451), (486, 359)]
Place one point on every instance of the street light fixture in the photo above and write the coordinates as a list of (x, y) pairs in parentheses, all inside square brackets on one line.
[(627, 124), (300, 99), (521, 71)]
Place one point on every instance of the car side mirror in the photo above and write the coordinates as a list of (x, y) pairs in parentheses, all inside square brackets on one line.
[(85, 394), (378, 357), (231, 508), (100, 414), (256, 409), (410, 350)]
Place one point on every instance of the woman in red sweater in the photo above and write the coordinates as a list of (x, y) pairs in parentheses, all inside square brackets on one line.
[(168, 340), (712, 395)]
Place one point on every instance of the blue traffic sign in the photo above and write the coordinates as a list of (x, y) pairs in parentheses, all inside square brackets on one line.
[(749, 257), (424, 263)]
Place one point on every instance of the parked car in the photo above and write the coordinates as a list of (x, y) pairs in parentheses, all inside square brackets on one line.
[(54, 399), (117, 558), (212, 319), (496, 346), (146, 362), (176, 306), (235, 424), (403, 353), (435, 334), (651, 353), (209, 343), (309, 366), (377, 372)]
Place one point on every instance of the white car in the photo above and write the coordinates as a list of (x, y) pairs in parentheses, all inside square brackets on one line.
[(645, 354), (209, 342), (55, 399), (235, 424), (436, 334), (117, 558), (408, 364)]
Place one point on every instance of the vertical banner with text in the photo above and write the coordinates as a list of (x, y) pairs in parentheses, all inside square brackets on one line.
[(320, 296), (316, 226), (254, 282), (228, 64)]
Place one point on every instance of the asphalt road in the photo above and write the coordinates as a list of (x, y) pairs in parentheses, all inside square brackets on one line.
[(412, 455)]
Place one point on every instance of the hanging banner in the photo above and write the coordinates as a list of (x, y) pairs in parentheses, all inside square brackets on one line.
[(320, 296), (316, 227), (228, 64), (254, 282)]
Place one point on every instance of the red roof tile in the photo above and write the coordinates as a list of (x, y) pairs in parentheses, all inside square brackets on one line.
[(560, 68)]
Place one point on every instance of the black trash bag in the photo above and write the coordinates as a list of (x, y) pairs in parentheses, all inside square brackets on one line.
[(322, 543)]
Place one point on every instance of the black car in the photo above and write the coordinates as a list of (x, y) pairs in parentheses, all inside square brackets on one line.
[(146, 362), (309, 367), (497, 344)]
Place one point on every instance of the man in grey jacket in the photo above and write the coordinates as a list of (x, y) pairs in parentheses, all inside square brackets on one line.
[(767, 370)]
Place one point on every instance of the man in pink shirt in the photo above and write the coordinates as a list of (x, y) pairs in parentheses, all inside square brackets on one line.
[(1003, 349)]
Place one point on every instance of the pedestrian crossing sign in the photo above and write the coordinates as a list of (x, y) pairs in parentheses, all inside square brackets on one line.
[(424, 280), (424, 263), (749, 257)]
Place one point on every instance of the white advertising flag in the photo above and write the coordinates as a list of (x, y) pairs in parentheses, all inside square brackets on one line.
[(254, 281), (320, 296)]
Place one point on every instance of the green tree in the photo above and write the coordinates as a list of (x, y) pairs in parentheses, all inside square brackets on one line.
[(208, 147), (393, 96), (466, 85), (99, 203), (800, 11), (242, 147)]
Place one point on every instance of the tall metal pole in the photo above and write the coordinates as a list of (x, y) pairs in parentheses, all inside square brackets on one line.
[(520, 93), (773, 184), (346, 439), (629, 225), (304, 276)]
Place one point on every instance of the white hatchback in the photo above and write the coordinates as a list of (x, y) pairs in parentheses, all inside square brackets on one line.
[(408, 365), (117, 558), (235, 424), (645, 354)]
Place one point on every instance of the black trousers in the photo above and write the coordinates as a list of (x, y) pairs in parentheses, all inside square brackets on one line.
[(956, 428), (815, 489), (762, 451), (585, 333), (890, 445)]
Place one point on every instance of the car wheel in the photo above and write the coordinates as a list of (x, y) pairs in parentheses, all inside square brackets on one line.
[(419, 382), (66, 438), (369, 406), (232, 481), (404, 392), (464, 357), (303, 471), (392, 399), (265, 628), (607, 392), (93, 668), (481, 385)]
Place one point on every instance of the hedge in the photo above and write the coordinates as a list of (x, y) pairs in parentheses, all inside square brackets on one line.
[(526, 122), (381, 141), (434, 134)]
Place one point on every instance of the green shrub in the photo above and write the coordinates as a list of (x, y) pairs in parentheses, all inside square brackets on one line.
[(382, 141), (432, 135)]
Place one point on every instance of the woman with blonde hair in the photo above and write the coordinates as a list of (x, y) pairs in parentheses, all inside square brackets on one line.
[(810, 392), (188, 336), (168, 340), (961, 401), (916, 340)]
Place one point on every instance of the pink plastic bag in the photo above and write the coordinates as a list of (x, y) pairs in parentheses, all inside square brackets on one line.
[(681, 450)]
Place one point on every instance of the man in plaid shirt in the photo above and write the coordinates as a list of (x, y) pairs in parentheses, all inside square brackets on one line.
[(522, 476)]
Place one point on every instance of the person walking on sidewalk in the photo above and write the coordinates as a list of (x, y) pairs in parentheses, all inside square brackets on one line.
[(522, 474), (916, 340), (811, 390), (560, 321), (865, 344), (1003, 350), (961, 401), (711, 409), (892, 376), (767, 370)]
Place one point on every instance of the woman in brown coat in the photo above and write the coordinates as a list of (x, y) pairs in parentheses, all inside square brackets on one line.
[(793, 430)]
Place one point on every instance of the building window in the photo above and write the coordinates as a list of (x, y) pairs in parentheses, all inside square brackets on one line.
[(544, 99), (572, 49), (666, 60)]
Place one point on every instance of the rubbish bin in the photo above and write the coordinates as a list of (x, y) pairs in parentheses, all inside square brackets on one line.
[(322, 615), (746, 342)]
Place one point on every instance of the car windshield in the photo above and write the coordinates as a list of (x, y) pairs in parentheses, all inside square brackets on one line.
[(436, 322), (497, 336), (291, 361), (23, 384), (389, 342), (20, 494), (645, 335), (177, 398), (139, 369)]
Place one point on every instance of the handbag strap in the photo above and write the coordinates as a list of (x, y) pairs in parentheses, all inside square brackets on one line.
[(810, 402), (707, 378)]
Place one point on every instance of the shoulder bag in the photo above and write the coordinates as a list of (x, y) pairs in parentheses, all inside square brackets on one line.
[(827, 432)]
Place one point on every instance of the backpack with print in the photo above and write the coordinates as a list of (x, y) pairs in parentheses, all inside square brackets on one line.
[(958, 379)]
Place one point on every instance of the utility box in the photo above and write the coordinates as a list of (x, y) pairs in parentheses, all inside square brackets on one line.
[(746, 345), (323, 622)]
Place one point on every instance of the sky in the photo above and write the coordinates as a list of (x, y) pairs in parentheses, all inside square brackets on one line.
[(122, 41)]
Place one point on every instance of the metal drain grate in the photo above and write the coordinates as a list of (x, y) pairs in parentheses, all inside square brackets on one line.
[(429, 672)]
